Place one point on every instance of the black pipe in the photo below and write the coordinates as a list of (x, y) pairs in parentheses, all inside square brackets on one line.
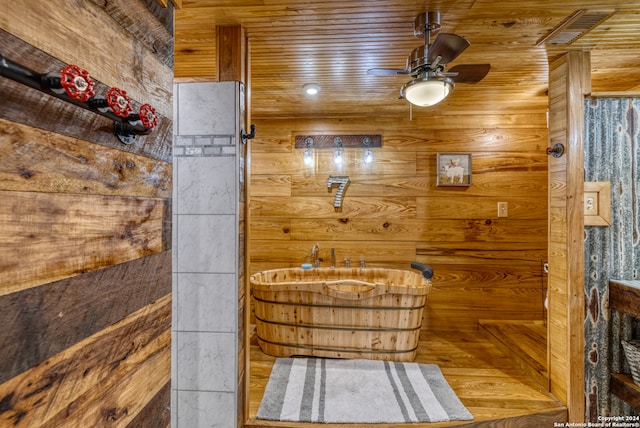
[(45, 83), (249, 136), (427, 271)]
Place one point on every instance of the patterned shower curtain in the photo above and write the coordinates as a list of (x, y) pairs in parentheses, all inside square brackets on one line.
[(611, 154)]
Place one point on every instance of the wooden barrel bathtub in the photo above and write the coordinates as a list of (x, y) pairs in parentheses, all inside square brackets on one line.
[(371, 313)]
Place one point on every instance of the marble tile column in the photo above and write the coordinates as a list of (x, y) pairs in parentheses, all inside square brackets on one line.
[(207, 260)]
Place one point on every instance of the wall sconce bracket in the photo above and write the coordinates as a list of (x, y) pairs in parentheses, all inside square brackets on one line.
[(348, 141)]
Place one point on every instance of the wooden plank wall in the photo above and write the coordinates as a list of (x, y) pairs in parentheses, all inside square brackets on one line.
[(85, 221), (393, 213)]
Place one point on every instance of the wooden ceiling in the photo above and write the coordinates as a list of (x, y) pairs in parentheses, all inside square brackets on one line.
[(334, 43)]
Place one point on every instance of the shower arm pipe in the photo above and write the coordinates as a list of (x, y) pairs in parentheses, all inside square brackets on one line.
[(132, 124)]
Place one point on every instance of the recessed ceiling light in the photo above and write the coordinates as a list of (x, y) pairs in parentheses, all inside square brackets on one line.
[(311, 88)]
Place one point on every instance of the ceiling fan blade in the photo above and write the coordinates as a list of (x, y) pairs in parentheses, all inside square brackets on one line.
[(386, 71), (447, 46), (469, 73)]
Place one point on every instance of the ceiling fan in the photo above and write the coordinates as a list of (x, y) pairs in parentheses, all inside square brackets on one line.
[(427, 64)]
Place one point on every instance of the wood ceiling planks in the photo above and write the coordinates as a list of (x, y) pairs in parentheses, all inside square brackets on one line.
[(333, 43)]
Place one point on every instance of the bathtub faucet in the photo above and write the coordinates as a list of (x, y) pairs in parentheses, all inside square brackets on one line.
[(315, 255), (427, 271)]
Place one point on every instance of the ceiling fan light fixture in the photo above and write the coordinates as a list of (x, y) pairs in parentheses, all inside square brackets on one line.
[(427, 91)]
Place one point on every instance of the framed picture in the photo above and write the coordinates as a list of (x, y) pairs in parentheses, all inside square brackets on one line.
[(454, 169)]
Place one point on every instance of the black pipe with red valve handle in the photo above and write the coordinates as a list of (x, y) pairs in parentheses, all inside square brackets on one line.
[(74, 85)]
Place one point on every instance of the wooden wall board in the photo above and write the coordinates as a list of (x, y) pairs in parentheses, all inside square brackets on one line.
[(122, 61), (322, 207), (393, 163), (405, 125), (497, 275), (462, 140), (271, 185), (399, 229), (123, 396), (387, 162), (521, 184), (51, 312), (279, 253), (201, 59), (29, 106), (144, 26), (164, 15), (33, 161), (477, 253), (88, 232), (474, 207), (506, 162), (94, 380), (155, 413)]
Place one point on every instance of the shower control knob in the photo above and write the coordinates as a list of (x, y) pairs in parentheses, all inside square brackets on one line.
[(148, 116), (119, 102), (76, 83)]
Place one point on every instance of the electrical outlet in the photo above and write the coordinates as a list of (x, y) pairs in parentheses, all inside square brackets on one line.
[(503, 210), (591, 203)]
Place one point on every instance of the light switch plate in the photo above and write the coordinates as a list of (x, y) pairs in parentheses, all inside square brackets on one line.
[(503, 209), (597, 203)]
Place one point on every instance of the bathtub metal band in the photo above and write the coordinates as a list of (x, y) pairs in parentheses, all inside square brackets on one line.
[(387, 308), (331, 327), (354, 350)]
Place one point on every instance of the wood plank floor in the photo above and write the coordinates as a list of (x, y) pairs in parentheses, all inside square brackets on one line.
[(494, 389), (524, 341)]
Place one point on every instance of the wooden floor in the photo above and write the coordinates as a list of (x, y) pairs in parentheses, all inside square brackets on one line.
[(490, 384), (524, 341)]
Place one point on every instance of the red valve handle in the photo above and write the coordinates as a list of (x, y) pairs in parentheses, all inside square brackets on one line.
[(148, 116), (76, 83), (119, 102)]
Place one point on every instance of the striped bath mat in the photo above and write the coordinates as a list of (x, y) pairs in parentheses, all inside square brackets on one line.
[(358, 391)]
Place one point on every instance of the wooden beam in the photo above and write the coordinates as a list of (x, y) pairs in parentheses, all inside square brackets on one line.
[(579, 84), (569, 81), (230, 53)]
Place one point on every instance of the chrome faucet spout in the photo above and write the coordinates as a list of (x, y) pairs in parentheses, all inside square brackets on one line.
[(315, 255)]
